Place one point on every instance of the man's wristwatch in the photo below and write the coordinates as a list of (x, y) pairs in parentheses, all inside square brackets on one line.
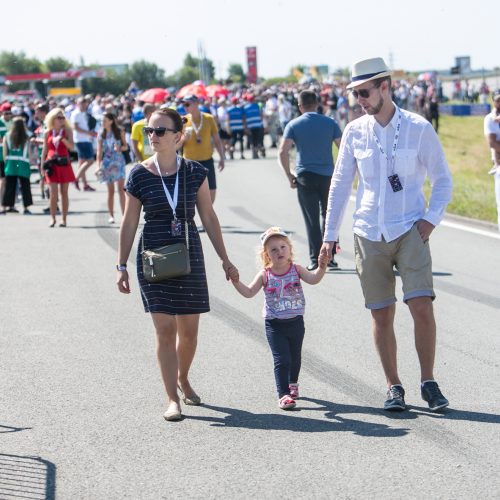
[(121, 267)]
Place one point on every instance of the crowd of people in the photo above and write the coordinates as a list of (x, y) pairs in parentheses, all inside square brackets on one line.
[(107, 131)]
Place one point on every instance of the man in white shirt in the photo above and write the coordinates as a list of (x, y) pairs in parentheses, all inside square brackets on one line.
[(83, 137), (392, 151), (492, 133)]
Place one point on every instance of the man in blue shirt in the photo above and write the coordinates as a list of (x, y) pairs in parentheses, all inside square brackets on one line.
[(313, 135)]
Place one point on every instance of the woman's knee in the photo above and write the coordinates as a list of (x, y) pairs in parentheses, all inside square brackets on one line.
[(165, 328), (166, 336)]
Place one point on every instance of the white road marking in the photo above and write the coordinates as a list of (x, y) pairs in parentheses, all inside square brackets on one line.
[(461, 227), (469, 229)]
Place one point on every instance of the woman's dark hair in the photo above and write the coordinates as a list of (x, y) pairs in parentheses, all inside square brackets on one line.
[(176, 118), (18, 135), (114, 127)]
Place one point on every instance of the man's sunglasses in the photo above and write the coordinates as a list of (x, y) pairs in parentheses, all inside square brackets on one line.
[(364, 93), (186, 104), (159, 131)]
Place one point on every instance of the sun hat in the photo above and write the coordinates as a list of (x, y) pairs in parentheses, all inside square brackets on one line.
[(190, 98), (272, 231), (368, 69)]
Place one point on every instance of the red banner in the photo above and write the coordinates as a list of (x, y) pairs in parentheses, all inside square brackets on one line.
[(252, 64)]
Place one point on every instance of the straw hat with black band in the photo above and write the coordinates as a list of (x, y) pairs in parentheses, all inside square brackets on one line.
[(368, 69)]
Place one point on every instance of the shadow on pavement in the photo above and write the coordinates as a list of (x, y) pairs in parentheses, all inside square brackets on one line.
[(27, 477), (453, 414), (8, 428), (291, 421)]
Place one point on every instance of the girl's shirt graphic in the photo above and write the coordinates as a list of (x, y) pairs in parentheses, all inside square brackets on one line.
[(284, 297)]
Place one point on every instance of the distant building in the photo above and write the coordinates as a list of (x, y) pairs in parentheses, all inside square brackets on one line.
[(119, 69)]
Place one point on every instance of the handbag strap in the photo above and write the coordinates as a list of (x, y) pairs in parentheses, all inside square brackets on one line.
[(186, 226)]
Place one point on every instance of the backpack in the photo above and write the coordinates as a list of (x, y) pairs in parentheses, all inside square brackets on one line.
[(91, 121)]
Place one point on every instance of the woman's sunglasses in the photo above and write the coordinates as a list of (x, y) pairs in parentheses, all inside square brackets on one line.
[(364, 93), (159, 131)]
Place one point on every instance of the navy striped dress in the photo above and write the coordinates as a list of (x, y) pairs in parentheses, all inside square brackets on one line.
[(186, 294)]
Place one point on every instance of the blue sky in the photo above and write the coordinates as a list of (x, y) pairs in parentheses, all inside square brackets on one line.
[(412, 35)]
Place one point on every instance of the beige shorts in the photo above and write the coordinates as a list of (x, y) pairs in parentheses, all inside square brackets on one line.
[(375, 261)]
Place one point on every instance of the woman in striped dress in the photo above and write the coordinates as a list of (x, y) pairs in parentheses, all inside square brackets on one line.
[(175, 304)]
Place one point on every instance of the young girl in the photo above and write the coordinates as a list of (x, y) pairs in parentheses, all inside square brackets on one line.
[(283, 308), (110, 161)]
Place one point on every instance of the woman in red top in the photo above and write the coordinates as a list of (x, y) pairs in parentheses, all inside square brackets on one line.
[(57, 142)]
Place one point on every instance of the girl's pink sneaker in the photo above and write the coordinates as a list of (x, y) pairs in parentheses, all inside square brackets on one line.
[(294, 390), (286, 402)]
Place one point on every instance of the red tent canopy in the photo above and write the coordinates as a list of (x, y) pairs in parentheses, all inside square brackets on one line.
[(197, 89), (154, 95), (217, 91)]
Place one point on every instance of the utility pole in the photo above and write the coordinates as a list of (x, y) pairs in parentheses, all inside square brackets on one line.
[(202, 64)]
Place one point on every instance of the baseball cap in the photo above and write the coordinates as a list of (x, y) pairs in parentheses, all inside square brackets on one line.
[(5, 107), (234, 100), (272, 231), (496, 94), (190, 98)]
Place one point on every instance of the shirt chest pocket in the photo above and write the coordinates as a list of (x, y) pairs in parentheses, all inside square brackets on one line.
[(406, 162), (365, 158)]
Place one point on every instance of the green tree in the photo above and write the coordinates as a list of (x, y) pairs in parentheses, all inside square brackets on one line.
[(12, 63), (113, 83), (146, 75), (190, 61), (192, 66), (58, 64), (183, 76), (236, 73)]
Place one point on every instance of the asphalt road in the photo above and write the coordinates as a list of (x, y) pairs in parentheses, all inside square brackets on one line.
[(82, 401)]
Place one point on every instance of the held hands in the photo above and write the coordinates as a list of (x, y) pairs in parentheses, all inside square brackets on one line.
[(231, 271), (122, 282), (323, 261), (326, 252)]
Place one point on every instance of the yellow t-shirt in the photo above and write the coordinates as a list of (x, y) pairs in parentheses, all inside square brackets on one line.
[(142, 140), (203, 150)]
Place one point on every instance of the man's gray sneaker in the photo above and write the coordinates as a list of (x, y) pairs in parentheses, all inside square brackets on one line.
[(395, 399), (431, 393)]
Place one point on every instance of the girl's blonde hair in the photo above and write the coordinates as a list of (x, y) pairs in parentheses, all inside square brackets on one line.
[(51, 116), (263, 256)]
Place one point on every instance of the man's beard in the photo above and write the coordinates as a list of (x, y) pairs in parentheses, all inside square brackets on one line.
[(374, 110)]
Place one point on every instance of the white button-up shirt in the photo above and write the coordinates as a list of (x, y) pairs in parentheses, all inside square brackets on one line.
[(379, 210)]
